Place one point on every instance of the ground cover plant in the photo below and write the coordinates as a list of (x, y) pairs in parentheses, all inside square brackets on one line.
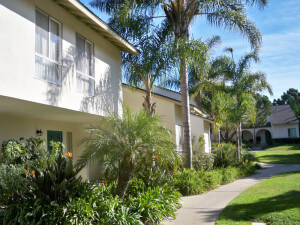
[(279, 154), (273, 201)]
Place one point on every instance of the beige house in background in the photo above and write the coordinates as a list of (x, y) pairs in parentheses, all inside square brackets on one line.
[(168, 106), (60, 70)]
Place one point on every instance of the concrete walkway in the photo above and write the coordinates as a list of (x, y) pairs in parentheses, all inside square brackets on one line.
[(205, 209)]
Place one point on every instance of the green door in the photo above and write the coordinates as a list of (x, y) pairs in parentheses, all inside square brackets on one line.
[(53, 136)]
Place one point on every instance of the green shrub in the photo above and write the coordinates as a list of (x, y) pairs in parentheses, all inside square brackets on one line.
[(229, 174), (29, 154), (224, 155), (212, 179), (246, 169), (203, 161), (155, 204), (188, 182)]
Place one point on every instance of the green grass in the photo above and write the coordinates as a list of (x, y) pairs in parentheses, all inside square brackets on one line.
[(282, 154), (274, 201)]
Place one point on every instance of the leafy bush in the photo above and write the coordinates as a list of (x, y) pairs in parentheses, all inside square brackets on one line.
[(41, 186), (188, 182), (191, 182), (211, 179), (229, 174), (203, 161), (141, 205), (246, 169), (31, 153), (224, 155), (153, 204)]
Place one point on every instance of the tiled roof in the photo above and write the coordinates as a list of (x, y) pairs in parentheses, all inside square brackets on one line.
[(283, 114)]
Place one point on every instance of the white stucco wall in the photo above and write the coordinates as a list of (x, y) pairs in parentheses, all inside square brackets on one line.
[(17, 60), (199, 127), (281, 130)]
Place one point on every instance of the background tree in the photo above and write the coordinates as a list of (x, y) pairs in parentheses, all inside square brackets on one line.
[(123, 144), (263, 110), (291, 97), (230, 14)]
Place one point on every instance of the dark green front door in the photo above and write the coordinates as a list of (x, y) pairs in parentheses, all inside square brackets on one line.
[(53, 136)]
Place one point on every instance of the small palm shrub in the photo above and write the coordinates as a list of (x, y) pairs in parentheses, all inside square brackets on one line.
[(125, 145)]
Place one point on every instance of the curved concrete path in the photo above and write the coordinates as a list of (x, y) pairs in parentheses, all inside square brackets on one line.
[(205, 209)]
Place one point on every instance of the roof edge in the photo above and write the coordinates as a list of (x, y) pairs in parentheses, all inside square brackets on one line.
[(91, 17)]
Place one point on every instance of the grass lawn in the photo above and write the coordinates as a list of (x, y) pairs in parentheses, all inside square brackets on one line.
[(284, 154), (274, 201)]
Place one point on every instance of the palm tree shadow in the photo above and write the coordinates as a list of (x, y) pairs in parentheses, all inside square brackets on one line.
[(252, 211), (280, 158)]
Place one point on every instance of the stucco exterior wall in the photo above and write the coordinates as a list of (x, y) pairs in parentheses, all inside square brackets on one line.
[(166, 109), (171, 115), (199, 127), (17, 60), (281, 130)]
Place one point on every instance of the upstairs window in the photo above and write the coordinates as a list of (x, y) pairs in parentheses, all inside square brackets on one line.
[(85, 79), (47, 48)]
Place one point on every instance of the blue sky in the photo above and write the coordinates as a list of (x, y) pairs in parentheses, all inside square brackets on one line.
[(279, 24)]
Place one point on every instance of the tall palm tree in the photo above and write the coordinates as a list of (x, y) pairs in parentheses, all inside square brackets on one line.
[(123, 144), (244, 84), (228, 13)]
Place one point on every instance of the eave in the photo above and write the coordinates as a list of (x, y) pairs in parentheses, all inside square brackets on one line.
[(94, 22)]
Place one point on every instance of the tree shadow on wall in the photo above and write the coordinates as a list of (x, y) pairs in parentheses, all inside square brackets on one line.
[(54, 92), (106, 98)]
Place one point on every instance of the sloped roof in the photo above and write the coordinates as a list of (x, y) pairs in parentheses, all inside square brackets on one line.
[(170, 94), (283, 114), (76, 8)]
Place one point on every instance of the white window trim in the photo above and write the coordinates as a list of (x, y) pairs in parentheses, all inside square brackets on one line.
[(93, 63), (59, 63)]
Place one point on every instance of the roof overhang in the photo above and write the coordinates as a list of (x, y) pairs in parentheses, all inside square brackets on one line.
[(94, 22)]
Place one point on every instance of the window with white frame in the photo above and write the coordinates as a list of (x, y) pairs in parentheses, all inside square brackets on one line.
[(85, 79), (292, 132), (48, 64), (179, 137)]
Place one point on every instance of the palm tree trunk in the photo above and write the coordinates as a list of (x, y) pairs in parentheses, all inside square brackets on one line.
[(147, 104), (240, 136), (237, 144), (126, 169), (185, 106)]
